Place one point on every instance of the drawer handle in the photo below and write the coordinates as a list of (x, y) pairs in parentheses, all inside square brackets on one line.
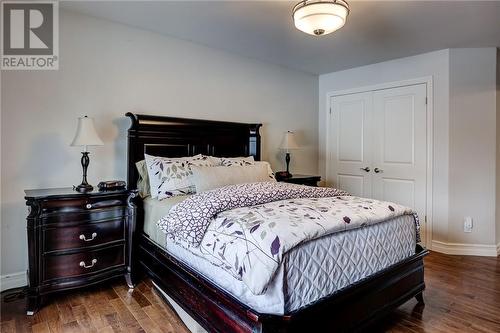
[(88, 206), (82, 264), (83, 238)]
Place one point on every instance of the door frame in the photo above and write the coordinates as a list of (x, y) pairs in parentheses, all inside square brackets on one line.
[(427, 80)]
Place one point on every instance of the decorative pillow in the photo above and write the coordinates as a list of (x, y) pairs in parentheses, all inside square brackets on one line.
[(241, 161), (232, 161), (173, 176), (143, 179), (154, 176), (209, 178)]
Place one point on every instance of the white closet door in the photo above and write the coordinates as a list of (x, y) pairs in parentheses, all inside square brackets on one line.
[(400, 146), (384, 131), (350, 142)]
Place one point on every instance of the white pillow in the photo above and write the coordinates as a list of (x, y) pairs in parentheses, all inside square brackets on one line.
[(270, 171), (143, 179), (172, 176), (209, 178)]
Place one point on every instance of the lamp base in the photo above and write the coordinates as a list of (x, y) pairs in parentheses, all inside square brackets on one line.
[(83, 188)]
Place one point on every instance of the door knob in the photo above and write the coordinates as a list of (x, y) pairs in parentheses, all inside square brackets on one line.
[(367, 169), (377, 170)]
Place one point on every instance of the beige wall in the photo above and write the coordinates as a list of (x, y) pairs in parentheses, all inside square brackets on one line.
[(108, 69), (472, 144)]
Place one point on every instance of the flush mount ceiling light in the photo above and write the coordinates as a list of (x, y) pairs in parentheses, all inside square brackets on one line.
[(316, 17)]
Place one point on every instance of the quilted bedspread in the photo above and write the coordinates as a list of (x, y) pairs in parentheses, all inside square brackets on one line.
[(248, 228)]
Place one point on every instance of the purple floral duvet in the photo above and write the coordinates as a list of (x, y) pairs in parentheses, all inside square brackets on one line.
[(248, 228)]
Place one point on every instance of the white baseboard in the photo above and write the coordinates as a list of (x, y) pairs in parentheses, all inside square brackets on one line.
[(466, 249), (14, 280)]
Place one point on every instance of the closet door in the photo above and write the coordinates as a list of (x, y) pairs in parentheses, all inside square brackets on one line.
[(400, 146), (350, 143)]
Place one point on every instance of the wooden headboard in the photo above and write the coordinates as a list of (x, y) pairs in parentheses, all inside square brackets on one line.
[(177, 137)]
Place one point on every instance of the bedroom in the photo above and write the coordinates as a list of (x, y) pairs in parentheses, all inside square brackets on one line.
[(246, 62)]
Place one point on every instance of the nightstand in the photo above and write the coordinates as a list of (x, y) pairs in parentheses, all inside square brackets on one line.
[(77, 239), (302, 180)]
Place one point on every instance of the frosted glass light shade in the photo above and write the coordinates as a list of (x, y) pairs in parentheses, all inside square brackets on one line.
[(289, 141), (86, 135), (320, 17)]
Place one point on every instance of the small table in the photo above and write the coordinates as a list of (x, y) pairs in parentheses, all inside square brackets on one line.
[(302, 180), (78, 239)]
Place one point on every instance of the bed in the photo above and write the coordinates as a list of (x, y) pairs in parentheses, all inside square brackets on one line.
[(301, 295)]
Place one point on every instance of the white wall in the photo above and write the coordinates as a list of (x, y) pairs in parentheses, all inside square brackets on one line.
[(435, 64), (106, 70), (464, 135), (472, 144)]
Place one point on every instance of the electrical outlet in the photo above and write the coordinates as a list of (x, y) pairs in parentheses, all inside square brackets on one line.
[(467, 224)]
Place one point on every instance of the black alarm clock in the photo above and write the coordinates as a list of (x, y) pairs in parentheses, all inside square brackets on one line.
[(111, 185)]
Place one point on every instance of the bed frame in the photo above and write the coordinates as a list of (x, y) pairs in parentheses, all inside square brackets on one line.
[(349, 309)]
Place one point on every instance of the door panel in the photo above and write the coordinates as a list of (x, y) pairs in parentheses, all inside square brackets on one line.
[(351, 121), (398, 190), (398, 130), (400, 146), (352, 184), (350, 142)]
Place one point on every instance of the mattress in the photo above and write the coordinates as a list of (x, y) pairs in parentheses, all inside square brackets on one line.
[(154, 210), (309, 272)]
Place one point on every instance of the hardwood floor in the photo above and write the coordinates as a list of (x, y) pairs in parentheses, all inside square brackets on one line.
[(463, 295), (101, 309)]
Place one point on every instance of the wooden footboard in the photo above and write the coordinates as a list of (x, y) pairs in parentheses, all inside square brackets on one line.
[(212, 308), (349, 309)]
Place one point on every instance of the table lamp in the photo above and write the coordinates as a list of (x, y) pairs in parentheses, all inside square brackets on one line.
[(287, 144), (85, 136)]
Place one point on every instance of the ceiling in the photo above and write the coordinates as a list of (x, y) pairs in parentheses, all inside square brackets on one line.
[(375, 30)]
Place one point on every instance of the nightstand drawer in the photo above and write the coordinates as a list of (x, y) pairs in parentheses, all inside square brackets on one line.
[(65, 217), (76, 264), (83, 204), (84, 235), (302, 180), (308, 182)]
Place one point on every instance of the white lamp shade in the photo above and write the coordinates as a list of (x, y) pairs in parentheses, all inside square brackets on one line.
[(289, 141), (86, 135), (320, 18)]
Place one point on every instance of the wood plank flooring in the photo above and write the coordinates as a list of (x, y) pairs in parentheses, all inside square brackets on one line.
[(463, 295)]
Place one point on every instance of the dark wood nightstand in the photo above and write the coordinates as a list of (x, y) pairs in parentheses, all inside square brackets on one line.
[(77, 239), (302, 180)]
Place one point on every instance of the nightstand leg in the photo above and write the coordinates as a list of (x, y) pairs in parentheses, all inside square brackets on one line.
[(130, 280), (33, 304), (420, 298)]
